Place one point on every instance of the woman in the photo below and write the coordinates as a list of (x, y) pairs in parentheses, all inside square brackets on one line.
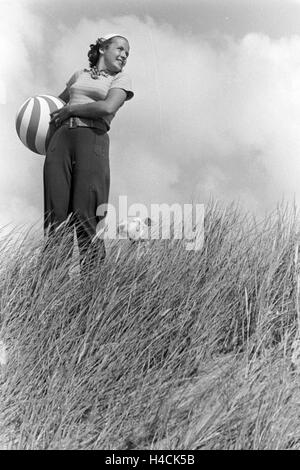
[(76, 170)]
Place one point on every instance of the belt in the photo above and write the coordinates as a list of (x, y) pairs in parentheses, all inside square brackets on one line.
[(80, 122)]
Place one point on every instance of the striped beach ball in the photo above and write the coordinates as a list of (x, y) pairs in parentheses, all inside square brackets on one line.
[(32, 121)]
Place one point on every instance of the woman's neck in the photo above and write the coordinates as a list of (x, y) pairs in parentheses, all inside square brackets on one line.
[(101, 64)]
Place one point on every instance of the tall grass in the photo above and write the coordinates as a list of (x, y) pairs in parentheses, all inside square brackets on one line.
[(167, 349)]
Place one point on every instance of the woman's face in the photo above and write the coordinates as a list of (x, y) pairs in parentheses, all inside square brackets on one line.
[(115, 55)]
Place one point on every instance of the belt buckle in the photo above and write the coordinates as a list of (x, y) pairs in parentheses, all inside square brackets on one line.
[(72, 123)]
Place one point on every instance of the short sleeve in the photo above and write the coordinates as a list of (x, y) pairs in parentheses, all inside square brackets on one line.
[(73, 78), (122, 80)]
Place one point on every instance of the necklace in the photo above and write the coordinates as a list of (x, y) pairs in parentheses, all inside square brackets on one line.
[(96, 73)]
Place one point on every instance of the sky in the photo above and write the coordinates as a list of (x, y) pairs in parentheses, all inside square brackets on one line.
[(216, 111)]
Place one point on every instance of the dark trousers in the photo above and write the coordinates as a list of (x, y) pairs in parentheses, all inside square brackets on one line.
[(76, 183)]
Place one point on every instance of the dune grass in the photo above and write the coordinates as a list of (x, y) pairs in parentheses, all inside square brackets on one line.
[(167, 349)]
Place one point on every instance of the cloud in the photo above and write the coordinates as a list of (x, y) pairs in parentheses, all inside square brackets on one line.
[(20, 43), (211, 116), (223, 117)]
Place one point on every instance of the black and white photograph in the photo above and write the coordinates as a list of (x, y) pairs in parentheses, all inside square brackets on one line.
[(149, 227)]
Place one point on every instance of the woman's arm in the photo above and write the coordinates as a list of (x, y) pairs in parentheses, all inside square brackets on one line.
[(65, 96), (114, 100)]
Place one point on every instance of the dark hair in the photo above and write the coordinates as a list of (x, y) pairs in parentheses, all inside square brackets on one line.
[(94, 52)]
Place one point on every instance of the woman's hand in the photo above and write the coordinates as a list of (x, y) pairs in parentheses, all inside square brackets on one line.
[(60, 115)]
